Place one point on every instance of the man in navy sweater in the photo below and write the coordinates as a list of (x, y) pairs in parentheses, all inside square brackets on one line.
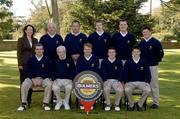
[(88, 61), (38, 75), (63, 75), (111, 72), (152, 51), (100, 41), (51, 40), (123, 41), (137, 76), (74, 41)]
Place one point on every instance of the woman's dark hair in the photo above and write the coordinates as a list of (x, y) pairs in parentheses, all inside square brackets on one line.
[(25, 28)]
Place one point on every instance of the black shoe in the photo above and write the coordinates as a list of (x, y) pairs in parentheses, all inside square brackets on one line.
[(154, 106), (131, 108)]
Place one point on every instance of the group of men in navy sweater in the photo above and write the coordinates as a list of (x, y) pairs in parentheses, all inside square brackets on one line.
[(123, 65)]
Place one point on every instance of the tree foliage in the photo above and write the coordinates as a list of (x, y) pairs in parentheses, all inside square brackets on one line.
[(168, 20), (5, 18), (111, 11)]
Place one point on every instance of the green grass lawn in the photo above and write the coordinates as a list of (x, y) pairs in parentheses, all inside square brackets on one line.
[(169, 76)]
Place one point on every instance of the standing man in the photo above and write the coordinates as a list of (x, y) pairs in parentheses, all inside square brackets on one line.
[(152, 51), (51, 40), (111, 72), (63, 75), (137, 76), (74, 41), (123, 41), (37, 75), (100, 41)]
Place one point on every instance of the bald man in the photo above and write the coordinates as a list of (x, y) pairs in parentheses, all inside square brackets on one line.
[(63, 75), (51, 40)]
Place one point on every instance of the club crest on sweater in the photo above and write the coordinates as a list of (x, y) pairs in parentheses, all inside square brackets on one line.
[(115, 67), (57, 42), (68, 64), (150, 47), (80, 40), (42, 66), (105, 40)]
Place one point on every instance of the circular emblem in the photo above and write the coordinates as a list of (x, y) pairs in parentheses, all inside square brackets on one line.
[(88, 86)]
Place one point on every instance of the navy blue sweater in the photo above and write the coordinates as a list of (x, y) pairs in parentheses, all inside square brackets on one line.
[(151, 51), (63, 69), (112, 70), (137, 71), (50, 45), (74, 44), (84, 65), (100, 44), (38, 68), (123, 45)]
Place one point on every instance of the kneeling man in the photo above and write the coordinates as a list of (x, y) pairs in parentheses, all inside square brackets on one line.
[(38, 75), (111, 72), (63, 75), (137, 76)]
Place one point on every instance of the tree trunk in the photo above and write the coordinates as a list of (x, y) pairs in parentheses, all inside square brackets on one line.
[(55, 14)]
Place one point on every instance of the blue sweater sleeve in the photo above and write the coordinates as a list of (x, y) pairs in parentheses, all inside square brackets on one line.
[(30, 69), (160, 51), (47, 69), (120, 72), (126, 72), (147, 72), (97, 65), (103, 70)]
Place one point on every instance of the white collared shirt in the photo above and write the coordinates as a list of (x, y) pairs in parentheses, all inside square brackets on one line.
[(39, 58), (62, 58), (88, 58), (30, 42), (111, 60), (100, 33), (123, 34), (51, 35), (147, 39), (136, 60), (76, 33)]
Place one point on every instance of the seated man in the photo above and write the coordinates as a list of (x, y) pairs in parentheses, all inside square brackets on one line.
[(88, 61), (111, 72), (137, 76), (63, 75), (38, 75)]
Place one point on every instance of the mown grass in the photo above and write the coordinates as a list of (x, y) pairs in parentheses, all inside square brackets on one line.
[(169, 76)]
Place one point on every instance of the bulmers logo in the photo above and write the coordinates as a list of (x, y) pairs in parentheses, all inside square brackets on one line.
[(88, 86)]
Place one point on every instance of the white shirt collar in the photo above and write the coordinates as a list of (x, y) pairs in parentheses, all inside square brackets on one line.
[(63, 58), (51, 35), (111, 60), (147, 39), (100, 33), (123, 34), (136, 60), (75, 34), (88, 58), (39, 58)]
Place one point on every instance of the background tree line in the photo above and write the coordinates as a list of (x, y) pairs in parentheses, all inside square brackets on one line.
[(165, 20)]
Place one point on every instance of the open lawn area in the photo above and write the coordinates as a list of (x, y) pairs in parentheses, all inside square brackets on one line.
[(169, 76)]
